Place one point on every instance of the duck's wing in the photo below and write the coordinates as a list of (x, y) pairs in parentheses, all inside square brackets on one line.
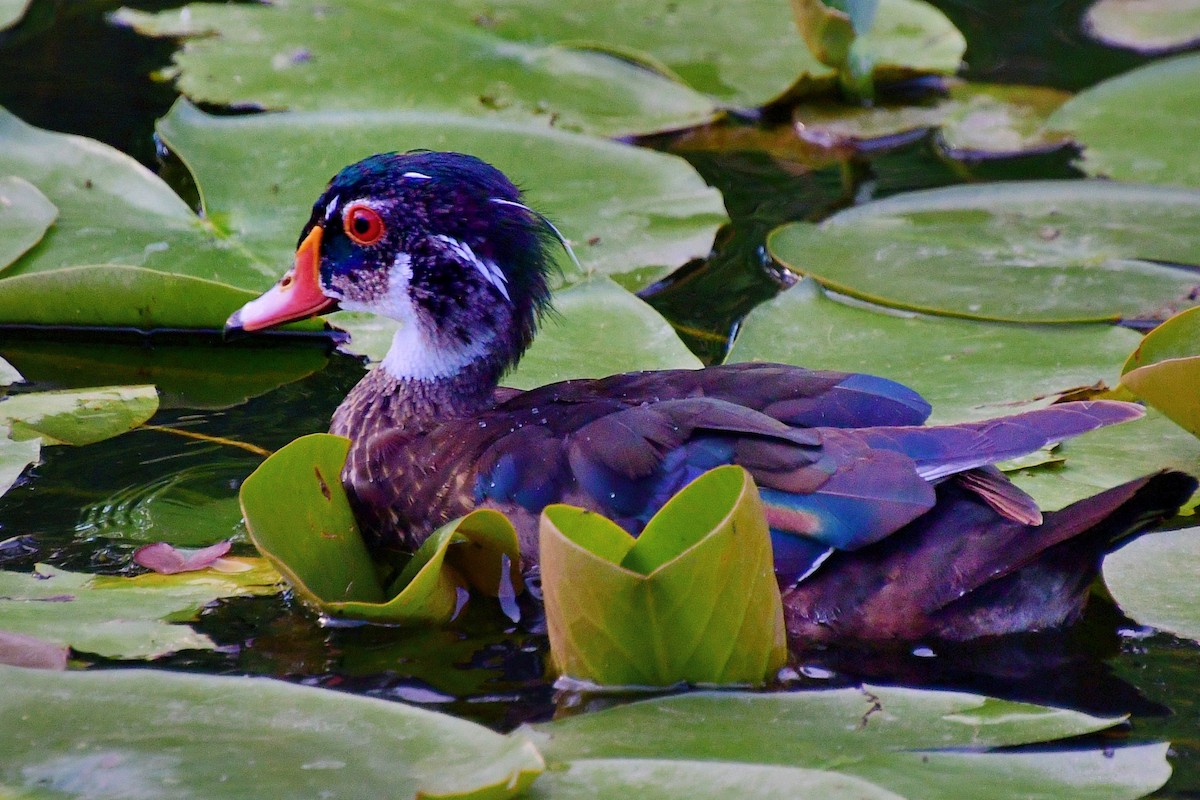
[(963, 571)]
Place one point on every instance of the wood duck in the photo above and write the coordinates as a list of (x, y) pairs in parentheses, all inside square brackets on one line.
[(882, 528)]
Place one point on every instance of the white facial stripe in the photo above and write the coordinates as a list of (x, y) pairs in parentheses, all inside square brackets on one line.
[(421, 176), (329, 209), (487, 268)]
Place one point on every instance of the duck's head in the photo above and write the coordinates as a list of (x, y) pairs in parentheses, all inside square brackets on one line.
[(439, 242)]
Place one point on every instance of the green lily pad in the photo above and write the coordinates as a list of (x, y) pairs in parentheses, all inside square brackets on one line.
[(126, 733), (1148, 26), (616, 69), (1044, 251), (77, 416), (14, 458), (11, 12), (965, 369), (112, 617), (694, 598), (299, 517), (1154, 578), (1165, 369), (25, 215), (1129, 137), (626, 209), (911, 742), (1178, 337)]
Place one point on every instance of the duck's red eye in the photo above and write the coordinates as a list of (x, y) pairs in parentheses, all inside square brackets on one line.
[(363, 224)]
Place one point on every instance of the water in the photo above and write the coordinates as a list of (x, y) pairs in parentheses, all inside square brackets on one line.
[(87, 508)]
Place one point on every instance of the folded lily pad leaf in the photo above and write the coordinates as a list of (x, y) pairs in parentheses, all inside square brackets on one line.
[(1148, 26), (20, 650), (25, 215), (966, 369), (116, 620), (77, 416), (694, 598), (1129, 137), (1164, 370), (141, 733), (1153, 579), (167, 560), (912, 742), (1035, 251), (626, 209), (11, 12), (299, 517)]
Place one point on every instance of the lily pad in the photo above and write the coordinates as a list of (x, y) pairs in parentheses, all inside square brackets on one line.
[(11, 12), (25, 215), (615, 69), (1178, 337), (77, 416), (1165, 369), (14, 458), (694, 598), (1038, 251), (626, 209), (126, 733), (911, 742), (299, 517), (1153, 579), (965, 369), (1148, 26), (1127, 137), (110, 616)]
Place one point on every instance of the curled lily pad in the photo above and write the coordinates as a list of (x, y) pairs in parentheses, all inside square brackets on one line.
[(25, 214), (141, 734), (1037, 251), (1148, 26), (1165, 369), (694, 598), (299, 517), (1139, 126)]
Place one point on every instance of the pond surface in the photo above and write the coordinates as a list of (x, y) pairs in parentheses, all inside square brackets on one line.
[(87, 508)]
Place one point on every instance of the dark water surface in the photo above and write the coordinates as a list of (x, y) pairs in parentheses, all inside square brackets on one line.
[(84, 508)]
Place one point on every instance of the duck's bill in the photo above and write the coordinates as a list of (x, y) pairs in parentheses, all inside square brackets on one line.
[(296, 296)]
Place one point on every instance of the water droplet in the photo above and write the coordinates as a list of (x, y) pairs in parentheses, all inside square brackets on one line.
[(482, 424)]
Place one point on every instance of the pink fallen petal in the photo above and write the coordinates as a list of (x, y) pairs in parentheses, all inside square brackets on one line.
[(168, 560), (19, 650)]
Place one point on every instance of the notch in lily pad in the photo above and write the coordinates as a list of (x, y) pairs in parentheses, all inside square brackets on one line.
[(693, 599), (300, 518)]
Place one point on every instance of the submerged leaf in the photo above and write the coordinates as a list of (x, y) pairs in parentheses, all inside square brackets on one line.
[(1034, 251), (299, 517), (25, 215), (694, 598), (142, 734), (1141, 125)]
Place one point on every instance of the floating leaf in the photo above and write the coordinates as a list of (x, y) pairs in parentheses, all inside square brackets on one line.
[(116, 620), (299, 517), (1129, 138), (1154, 580), (77, 416), (966, 370), (1045, 251), (20, 650), (1148, 26), (11, 12), (167, 560), (14, 458), (627, 209), (912, 742), (996, 121), (568, 64), (694, 598), (233, 576), (1164, 370), (1178, 337), (127, 733), (25, 215)]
